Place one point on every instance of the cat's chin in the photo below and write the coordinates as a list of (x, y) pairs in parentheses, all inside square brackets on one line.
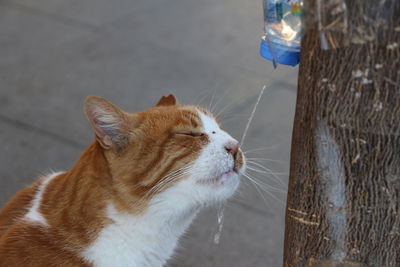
[(222, 179)]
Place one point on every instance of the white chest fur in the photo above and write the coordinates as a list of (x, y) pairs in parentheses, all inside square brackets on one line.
[(147, 240)]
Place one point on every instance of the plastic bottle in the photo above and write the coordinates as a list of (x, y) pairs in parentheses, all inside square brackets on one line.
[(283, 31)]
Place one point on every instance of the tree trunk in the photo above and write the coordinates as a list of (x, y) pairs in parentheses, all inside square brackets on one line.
[(343, 206)]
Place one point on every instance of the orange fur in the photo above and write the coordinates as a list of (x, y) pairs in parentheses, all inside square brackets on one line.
[(121, 167)]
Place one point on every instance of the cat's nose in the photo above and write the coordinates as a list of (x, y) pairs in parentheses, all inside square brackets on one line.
[(232, 147)]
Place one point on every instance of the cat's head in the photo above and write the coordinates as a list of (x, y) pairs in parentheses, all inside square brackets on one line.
[(170, 152)]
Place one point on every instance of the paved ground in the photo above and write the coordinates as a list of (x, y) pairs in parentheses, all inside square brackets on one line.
[(55, 52)]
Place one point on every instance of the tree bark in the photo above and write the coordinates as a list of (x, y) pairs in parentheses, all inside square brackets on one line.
[(343, 206)]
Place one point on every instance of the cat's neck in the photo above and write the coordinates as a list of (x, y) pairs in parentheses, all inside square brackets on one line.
[(148, 238)]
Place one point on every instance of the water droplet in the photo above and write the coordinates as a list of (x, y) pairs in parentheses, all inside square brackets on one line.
[(220, 221)]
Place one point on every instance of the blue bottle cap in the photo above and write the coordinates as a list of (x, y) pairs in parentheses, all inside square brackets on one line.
[(283, 55)]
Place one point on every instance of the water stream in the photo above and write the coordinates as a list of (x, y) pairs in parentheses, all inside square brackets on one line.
[(220, 215), (221, 209), (252, 115)]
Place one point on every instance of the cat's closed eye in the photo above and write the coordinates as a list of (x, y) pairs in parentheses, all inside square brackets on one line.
[(192, 134)]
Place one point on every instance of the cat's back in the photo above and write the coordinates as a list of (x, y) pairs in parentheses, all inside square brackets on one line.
[(25, 238), (25, 245), (16, 208)]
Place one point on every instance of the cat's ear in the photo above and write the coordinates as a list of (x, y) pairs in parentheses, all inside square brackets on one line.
[(167, 100), (109, 122)]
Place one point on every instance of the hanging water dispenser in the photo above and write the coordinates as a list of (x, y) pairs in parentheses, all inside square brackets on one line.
[(283, 29)]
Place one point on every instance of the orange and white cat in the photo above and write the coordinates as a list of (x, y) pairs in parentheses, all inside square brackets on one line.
[(130, 196)]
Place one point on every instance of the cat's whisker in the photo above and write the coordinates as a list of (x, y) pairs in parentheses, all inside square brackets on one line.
[(224, 121), (260, 193), (261, 183), (265, 159), (232, 116), (263, 168), (177, 174), (201, 99), (260, 171), (258, 187), (164, 182), (252, 181), (260, 167), (259, 149), (249, 171), (228, 106), (262, 174), (274, 174), (210, 105), (158, 188), (222, 97), (239, 194), (264, 185)]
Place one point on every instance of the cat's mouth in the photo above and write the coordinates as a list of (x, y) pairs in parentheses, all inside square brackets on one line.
[(221, 179)]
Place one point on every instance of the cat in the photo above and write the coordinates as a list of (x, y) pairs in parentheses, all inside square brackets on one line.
[(132, 193)]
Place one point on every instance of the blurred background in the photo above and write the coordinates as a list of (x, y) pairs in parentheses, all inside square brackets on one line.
[(53, 53)]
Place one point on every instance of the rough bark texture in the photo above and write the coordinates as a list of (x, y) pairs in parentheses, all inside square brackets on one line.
[(343, 206)]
